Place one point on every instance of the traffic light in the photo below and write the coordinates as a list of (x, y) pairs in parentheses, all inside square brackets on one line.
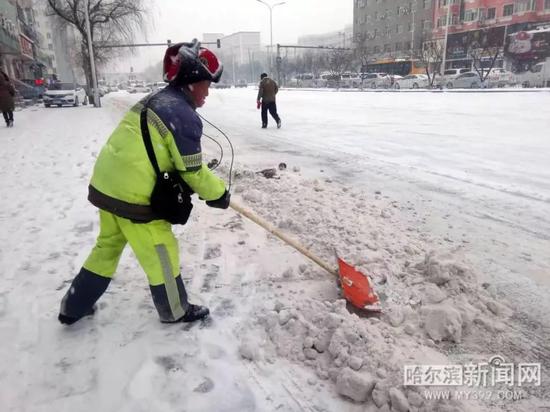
[(218, 43)]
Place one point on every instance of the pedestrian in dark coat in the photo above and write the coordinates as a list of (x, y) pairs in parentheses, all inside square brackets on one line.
[(7, 92), (266, 99)]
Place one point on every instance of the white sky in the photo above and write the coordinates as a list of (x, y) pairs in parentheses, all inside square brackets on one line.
[(182, 20)]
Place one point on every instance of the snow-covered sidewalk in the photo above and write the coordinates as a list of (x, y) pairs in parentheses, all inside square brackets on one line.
[(281, 338)]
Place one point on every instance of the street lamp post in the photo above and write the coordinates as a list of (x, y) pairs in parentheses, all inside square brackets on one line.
[(444, 62), (343, 34), (271, 7), (97, 103), (413, 10)]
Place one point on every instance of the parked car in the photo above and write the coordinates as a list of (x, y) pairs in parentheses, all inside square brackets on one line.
[(241, 83), (59, 94), (27, 89), (100, 90), (350, 80), (139, 88), (499, 77), (412, 81), (449, 75), (302, 80), (320, 81), (468, 80), (332, 80), (538, 76), (376, 80), (394, 78), (157, 85), (220, 86)]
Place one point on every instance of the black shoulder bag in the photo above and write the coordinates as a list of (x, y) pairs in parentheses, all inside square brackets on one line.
[(171, 196)]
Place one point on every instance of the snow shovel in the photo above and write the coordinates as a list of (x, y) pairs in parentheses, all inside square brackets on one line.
[(355, 285)]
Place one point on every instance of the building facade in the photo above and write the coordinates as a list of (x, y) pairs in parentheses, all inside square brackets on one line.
[(34, 46), (9, 36), (497, 20), (340, 38), (240, 53), (391, 29), (43, 26), (33, 62), (240, 46), (478, 14), (65, 41)]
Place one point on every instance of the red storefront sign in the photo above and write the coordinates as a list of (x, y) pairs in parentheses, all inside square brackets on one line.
[(529, 44), (26, 46)]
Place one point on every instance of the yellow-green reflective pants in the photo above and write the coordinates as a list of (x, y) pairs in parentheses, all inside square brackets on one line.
[(153, 243)]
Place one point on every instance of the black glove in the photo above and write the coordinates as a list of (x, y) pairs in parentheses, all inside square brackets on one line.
[(222, 202)]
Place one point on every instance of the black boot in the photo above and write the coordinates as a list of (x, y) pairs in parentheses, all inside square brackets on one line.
[(67, 320), (195, 312), (86, 288), (174, 307)]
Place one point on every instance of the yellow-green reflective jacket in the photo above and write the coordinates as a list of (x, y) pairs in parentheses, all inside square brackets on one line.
[(123, 176)]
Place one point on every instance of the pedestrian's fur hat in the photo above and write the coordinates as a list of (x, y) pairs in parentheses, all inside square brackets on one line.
[(186, 63)]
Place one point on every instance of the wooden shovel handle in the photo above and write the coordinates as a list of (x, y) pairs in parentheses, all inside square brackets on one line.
[(289, 241)]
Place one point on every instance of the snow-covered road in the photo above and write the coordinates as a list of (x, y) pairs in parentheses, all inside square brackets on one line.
[(474, 164), (386, 178)]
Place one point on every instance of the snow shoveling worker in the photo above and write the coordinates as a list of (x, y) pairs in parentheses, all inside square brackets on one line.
[(125, 179)]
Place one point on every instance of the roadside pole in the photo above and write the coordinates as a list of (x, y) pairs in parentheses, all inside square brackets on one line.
[(97, 103), (446, 37)]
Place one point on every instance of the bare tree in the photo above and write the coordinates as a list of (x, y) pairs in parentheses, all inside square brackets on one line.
[(484, 45), (339, 61), (431, 58), (320, 61), (111, 22), (361, 49)]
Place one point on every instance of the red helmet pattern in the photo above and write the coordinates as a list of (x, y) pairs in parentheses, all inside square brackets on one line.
[(186, 63)]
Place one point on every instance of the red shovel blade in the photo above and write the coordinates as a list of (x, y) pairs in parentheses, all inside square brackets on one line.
[(357, 288)]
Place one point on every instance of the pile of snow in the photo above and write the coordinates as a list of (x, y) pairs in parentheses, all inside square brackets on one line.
[(432, 303)]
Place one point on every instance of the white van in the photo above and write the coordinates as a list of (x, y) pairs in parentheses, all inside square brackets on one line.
[(350, 80), (449, 75), (538, 76)]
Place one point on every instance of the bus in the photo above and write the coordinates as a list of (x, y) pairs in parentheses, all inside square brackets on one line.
[(400, 67)]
